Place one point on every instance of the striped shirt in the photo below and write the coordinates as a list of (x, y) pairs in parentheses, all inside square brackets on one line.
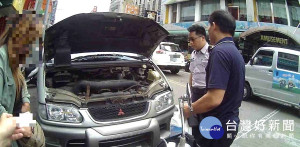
[(199, 60)]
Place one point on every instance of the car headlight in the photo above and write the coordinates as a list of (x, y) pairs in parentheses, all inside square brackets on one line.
[(163, 101), (63, 113)]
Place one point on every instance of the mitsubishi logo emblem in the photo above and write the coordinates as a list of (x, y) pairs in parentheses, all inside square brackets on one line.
[(121, 112)]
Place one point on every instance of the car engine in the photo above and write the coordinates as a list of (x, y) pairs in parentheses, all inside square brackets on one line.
[(106, 82)]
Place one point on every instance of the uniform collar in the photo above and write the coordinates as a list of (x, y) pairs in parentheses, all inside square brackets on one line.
[(203, 50)]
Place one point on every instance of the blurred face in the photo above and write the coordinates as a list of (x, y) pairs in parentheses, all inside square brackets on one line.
[(24, 36), (197, 42)]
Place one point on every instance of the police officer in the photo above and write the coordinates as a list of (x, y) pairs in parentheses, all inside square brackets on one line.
[(199, 59), (224, 81)]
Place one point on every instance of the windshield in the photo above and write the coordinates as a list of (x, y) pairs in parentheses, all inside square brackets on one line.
[(170, 48)]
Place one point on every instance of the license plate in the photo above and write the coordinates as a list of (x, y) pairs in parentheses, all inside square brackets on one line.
[(176, 56), (173, 59)]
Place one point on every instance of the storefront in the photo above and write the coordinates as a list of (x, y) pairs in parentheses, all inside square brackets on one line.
[(249, 14)]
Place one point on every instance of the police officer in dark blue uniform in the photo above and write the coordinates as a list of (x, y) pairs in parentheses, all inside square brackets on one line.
[(225, 77)]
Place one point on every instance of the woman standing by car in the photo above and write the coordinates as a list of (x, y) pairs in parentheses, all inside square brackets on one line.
[(22, 30)]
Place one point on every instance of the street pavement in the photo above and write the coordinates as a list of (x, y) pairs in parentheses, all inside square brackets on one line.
[(263, 123)]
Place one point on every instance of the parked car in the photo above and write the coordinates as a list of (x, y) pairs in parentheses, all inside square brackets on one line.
[(168, 56), (101, 88), (273, 73)]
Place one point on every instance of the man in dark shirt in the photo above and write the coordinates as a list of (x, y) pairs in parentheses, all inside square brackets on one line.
[(224, 80)]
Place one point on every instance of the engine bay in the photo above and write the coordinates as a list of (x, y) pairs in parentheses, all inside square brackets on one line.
[(120, 83)]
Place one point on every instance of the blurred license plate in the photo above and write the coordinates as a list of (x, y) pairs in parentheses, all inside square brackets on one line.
[(173, 59), (176, 56)]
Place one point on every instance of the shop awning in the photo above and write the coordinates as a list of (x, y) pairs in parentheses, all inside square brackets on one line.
[(178, 32), (284, 31), (174, 1), (186, 32), (237, 34)]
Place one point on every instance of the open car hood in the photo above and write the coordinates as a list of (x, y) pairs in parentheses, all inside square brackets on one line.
[(103, 32)]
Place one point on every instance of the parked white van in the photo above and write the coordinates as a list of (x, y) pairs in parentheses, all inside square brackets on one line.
[(274, 74)]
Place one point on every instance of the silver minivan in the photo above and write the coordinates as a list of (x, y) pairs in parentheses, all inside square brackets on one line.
[(274, 74)]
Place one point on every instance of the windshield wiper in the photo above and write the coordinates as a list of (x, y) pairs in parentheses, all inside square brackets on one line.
[(96, 58)]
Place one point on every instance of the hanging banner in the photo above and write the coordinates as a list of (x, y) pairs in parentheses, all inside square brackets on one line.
[(44, 5), (132, 9), (29, 5)]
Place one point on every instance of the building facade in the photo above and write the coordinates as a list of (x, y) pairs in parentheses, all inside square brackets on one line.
[(53, 12), (145, 8), (115, 6), (278, 18)]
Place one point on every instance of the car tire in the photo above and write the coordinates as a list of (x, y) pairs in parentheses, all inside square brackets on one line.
[(247, 92), (174, 71)]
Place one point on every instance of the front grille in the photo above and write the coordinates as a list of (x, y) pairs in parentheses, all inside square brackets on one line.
[(76, 143), (110, 112), (143, 140)]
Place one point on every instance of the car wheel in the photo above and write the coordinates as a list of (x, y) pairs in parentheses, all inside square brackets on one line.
[(174, 71), (247, 92)]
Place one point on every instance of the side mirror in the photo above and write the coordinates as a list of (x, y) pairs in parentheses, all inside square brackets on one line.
[(251, 61)]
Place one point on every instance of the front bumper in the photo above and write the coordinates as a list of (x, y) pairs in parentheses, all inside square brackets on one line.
[(147, 131)]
